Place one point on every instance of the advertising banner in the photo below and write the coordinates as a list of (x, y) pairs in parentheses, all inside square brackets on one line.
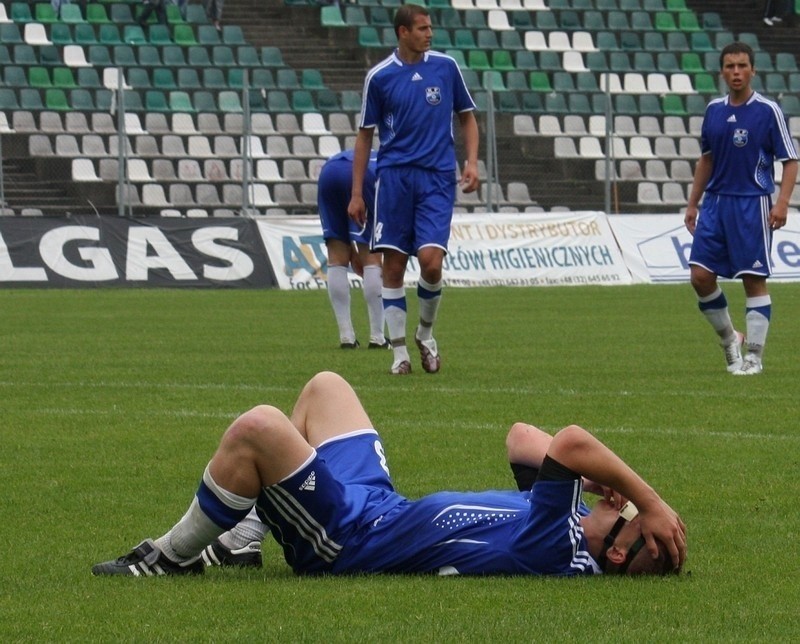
[(116, 251), (516, 249), (656, 248)]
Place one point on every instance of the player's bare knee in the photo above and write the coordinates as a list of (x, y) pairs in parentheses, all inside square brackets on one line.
[(254, 425)]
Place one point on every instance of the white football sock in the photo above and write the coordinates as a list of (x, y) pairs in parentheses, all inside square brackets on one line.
[(339, 295)]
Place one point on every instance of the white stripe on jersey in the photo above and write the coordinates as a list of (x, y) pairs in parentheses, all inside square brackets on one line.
[(310, 529), (581, 559), (781, 121)]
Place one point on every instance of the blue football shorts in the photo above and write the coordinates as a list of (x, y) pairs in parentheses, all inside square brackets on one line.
[(343, 487), (333, 196), (414, 208), (733, 237)]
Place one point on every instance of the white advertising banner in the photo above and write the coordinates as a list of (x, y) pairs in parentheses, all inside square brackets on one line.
[(656, 248), (525, 249)]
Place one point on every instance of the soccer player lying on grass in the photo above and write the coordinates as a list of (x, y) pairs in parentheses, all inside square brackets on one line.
[(319, 480)]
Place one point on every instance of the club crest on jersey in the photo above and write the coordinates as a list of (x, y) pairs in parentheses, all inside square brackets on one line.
[(740, 137), (433, 95)]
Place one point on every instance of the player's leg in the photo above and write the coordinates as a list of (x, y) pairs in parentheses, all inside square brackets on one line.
[(436, 196), (339, 290), (260, 448), (708, 259), (328, 407), (758, 311), (373, 283), (395, 309)]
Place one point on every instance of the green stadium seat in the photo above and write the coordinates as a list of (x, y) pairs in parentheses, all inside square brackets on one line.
[(501, 60), (96, 14), (278, 101), (235, 77), (597, 61), (712, 21), (774, 84), (665, 21), (159, 35), (82, 99), (550, 61), (180, 101), (87, 78), (464, 39), (641, 21), (247, 55), (653, 41), (563, 82), (676, 5), (208, 35), (509, 102), (173, 56), (672, 105), (546, 21), (617, 21), (61, 34), (331, 16), (351, 100), (441, 40), (475, 20), (50, 55), (620, 62), (84, 34), (511, 41), (256, 101), (15, 76), (197, 56), (540, 81), (650, 104), (517, 81), (155, 101), (555, 104), (20, 12), (71, 14), (163, 79), (214, 78), (763, 61), (272, 57), (328, 101), (124, 56), (233, 36), (449, 18), (134, 35), (691, 63), (37, 77), (677, 41), (303, 101), (520, 20), (196, 14), (487, 39), (630, 41), (229, 101), (380, 17), (8, 99), (263, 79), (369, 37), (644, 62), (183, 35), (174, 16), (99, 56), (700, 41), (355, 16), (30, 99), (55, 98), (222, 56), (311, 78), (688, 21), (478, 60), (25, 55), (785, 62), (45, 13), (586, 82), (493, 81), (667, 63), (579, 103), (532, 103), (188, 78), (10, 34), (107, 34), (138, 78), (287, 79), (623, 104), (63, 77)]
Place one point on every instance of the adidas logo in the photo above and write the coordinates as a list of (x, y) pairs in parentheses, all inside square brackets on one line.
[(416, 77), (757, 264), (732, 118), (310, 484)]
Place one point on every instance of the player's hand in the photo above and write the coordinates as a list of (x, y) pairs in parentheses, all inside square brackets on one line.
[(777, 215), (690, 219), (469, 177), (663, 523), (357, 211)]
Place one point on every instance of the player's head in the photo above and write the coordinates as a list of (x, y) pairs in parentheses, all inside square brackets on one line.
[(735, 48), (406, 17), (623, 551)]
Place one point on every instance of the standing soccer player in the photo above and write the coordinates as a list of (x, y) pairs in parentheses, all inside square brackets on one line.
[(411, 97), (348, 244), (743, 134)]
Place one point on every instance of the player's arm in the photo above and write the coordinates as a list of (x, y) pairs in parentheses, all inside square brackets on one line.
[(469, 128), (357, 210), (576, 449), (527, 445), (702, 173), (780, 209)]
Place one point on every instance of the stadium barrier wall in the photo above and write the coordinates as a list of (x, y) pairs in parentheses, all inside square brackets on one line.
[(486, 249)]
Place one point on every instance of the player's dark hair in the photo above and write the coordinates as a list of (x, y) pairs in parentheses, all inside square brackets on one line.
[(737, 48), (405, 16), (644, 564)]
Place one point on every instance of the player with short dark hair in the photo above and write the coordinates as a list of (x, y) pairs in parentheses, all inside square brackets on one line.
[(742, 136), (320, 480), (412, 97), (348, 245)]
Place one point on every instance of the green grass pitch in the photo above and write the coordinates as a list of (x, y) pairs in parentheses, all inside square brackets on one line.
[(114, 400)]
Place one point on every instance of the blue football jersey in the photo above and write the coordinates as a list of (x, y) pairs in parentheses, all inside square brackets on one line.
[(745, 141), (412, 106)]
